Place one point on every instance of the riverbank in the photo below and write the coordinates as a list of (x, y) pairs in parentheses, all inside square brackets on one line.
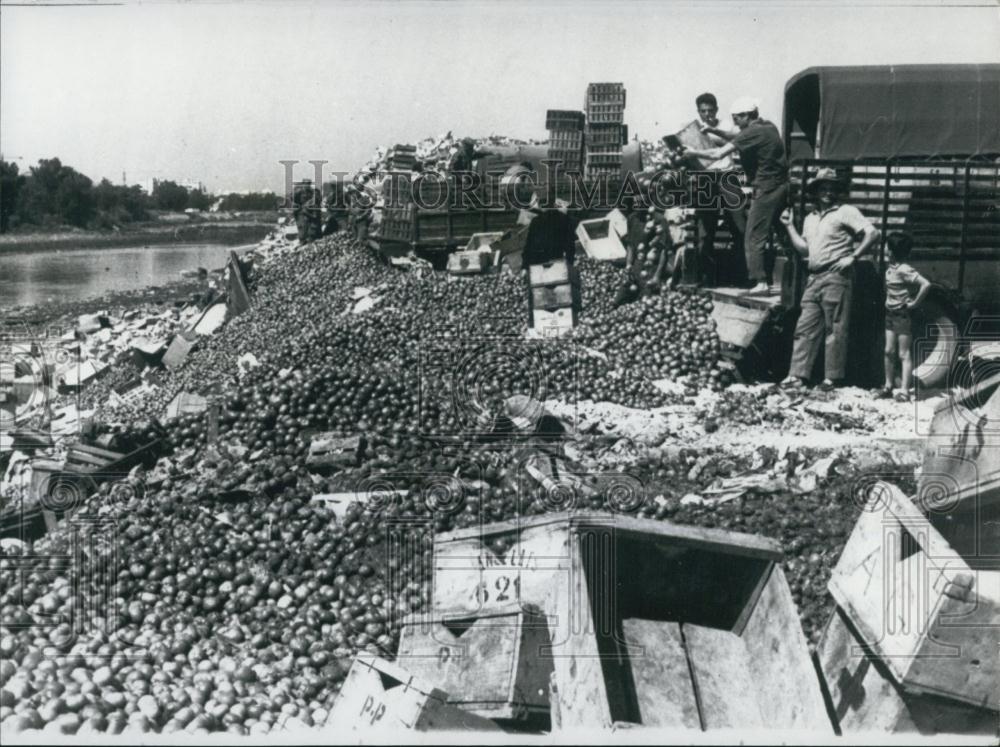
[(42, 316), (196, 231)]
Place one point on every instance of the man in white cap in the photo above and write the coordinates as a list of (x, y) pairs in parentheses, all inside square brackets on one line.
[(833, 237), (762, 154)]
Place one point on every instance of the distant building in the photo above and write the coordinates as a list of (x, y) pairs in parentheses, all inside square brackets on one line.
[(148, 185)]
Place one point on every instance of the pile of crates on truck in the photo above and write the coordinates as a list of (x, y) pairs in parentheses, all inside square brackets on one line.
[(402, 158), (566, 139), (606, 132)]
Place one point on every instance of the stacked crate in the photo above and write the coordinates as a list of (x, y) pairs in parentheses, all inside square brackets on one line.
[(402, 158), (551, 300), (397, 223), (605, 132), (565, 139)]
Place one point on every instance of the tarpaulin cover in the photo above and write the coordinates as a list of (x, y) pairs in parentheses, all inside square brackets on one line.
[(901, 110)]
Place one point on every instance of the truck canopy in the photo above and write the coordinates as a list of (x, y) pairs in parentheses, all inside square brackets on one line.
[(894, 111)]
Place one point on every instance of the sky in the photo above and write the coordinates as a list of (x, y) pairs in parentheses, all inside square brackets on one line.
[(220, 92)]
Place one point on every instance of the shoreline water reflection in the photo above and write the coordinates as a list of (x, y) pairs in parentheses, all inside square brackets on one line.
[(58, 275)]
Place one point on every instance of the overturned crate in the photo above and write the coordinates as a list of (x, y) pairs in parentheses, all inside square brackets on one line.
[(492, 663), (931, 620), (865, 698), (601, 238), (381, 696), (651, 624)]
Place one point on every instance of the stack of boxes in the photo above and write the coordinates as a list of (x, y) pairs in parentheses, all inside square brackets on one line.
[(566, 139), (397, 223), (552, 306), (397, 198), (402, 158), (606, 132)]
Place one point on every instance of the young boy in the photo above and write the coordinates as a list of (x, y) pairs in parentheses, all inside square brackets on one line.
[(905, 289)]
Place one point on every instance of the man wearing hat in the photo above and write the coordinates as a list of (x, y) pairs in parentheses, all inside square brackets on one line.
[(833, 238), (762, 154)]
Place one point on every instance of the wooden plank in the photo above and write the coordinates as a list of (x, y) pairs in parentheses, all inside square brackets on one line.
[(95, 451), (791, 696), (727, 691), (718, 540), (577, 669), (710, 540), (663, 686), (744, 617), (75, 456)]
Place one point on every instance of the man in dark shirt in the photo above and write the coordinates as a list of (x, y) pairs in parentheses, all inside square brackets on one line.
[(762, 154), (467, 155), (551, 235), (306, 210)]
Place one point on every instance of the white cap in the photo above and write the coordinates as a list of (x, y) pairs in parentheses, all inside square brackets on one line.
[(743, 105)]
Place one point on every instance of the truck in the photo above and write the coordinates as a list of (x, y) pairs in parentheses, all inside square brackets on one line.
[(436, 227), (919, 147)]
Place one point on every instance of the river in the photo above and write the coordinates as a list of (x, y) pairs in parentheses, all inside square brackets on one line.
[(58, 275)]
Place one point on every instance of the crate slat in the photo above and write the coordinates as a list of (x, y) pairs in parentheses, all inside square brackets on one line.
[(665, 692)]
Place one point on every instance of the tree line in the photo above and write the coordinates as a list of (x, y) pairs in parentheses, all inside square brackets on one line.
[(52, 194)]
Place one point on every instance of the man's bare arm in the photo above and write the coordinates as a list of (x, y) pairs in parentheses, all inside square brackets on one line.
[(712, 153)]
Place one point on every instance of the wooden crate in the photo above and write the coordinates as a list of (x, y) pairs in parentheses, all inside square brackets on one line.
[(492, 664), (549, 273), (468, 263), (479, 241), (552, 296), (601, 237), (917, 604), (564, 119), (628, 602), (865, 698), (381, 696), (553, 322)]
